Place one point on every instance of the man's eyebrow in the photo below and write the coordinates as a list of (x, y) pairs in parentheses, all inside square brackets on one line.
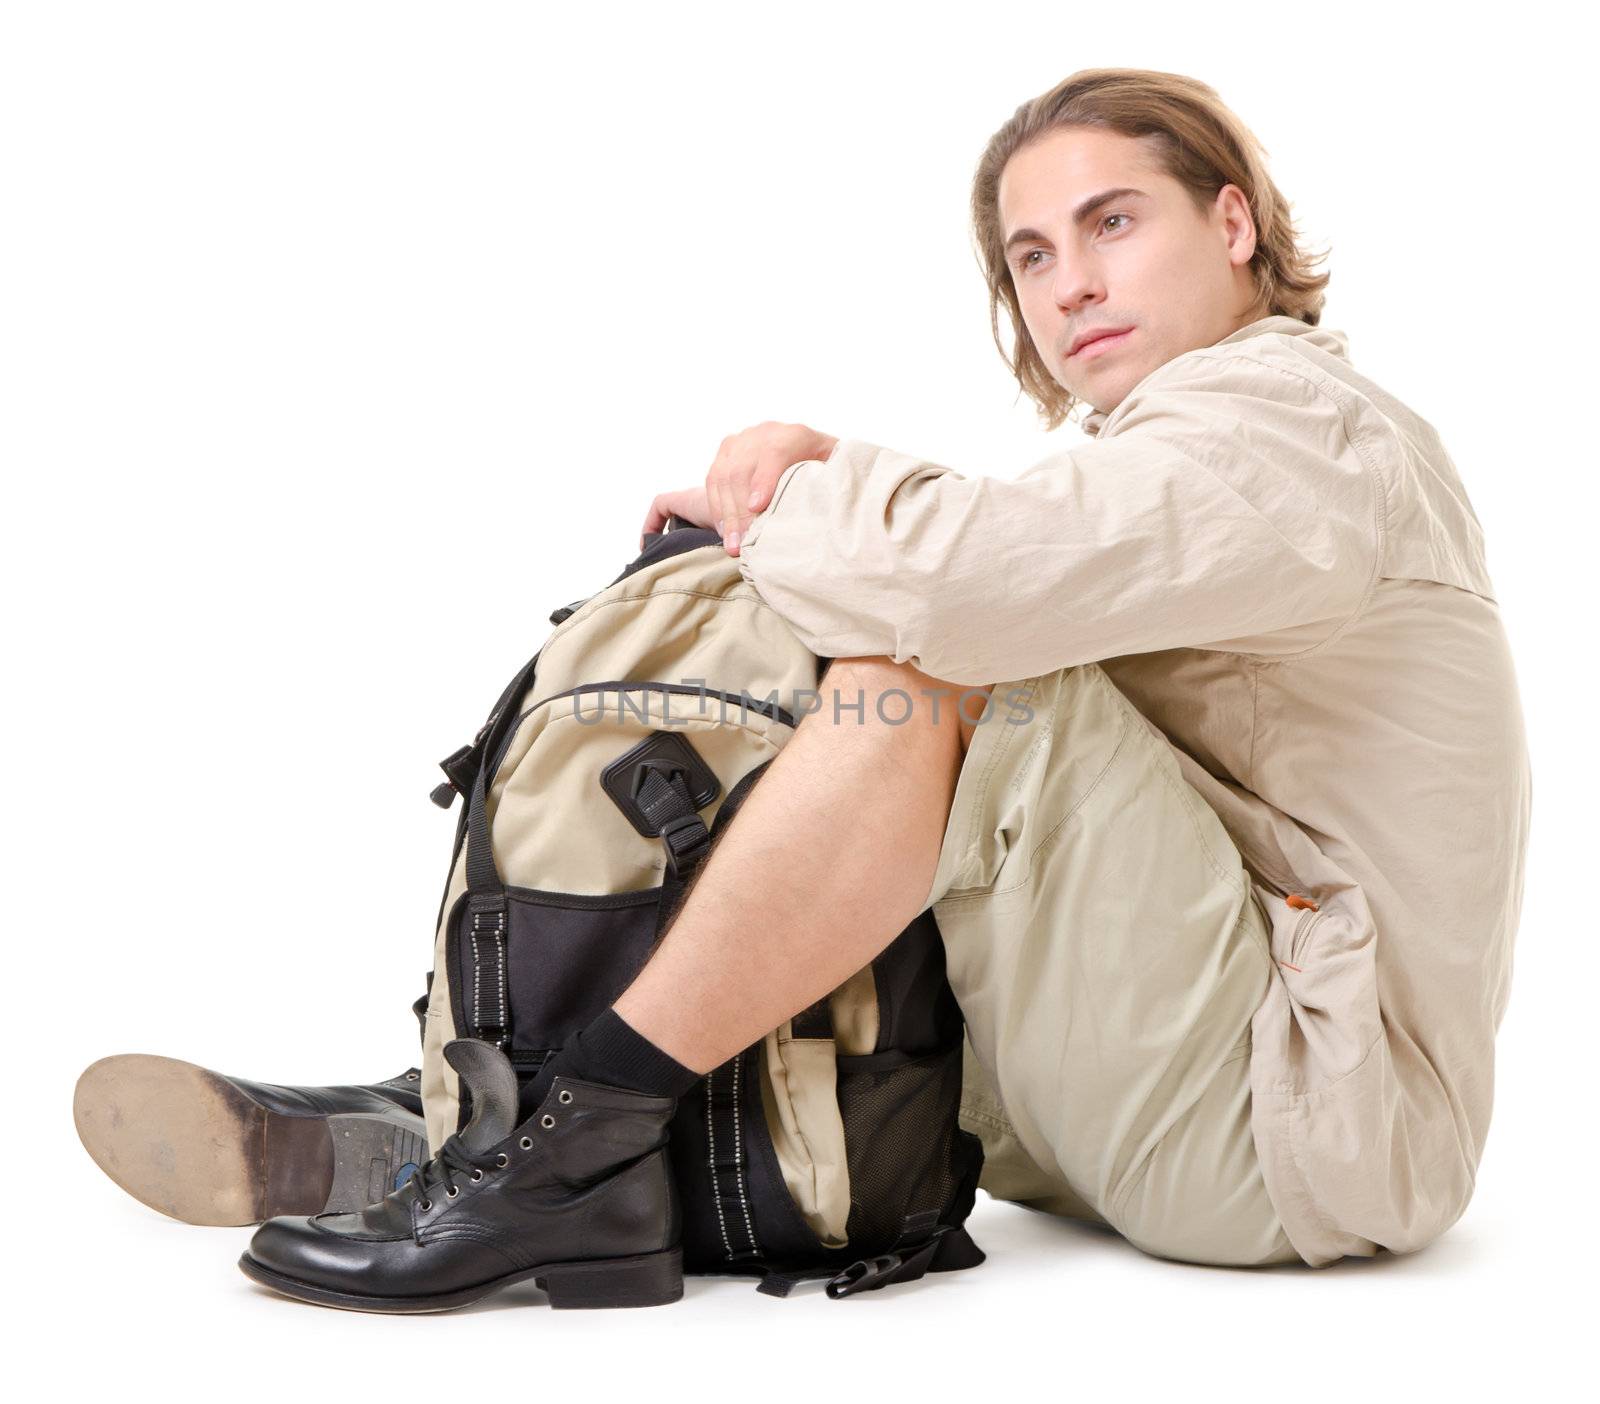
[(1084, 210)]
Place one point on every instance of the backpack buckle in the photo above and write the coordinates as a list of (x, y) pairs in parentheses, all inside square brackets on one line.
[(870, 1274), (687, 840), (660, 784)]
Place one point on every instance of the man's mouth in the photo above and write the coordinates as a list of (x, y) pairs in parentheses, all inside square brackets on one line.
[(1100, 342)]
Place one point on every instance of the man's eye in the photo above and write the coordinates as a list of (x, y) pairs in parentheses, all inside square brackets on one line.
[(1023, 262)]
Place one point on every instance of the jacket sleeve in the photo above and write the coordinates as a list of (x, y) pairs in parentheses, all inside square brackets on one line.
[(1229, 503)]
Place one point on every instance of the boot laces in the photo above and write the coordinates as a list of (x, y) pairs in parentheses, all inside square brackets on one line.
[(439, 1172)]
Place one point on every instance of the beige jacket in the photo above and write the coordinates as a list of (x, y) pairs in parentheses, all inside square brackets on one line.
[(1277, 563)]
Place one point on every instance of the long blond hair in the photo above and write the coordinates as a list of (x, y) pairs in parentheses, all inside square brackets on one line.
[(1198, 141)]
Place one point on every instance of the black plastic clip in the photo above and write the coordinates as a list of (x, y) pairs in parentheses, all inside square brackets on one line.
[(872, 1273), (458, 775), (669, 755), (687, 840), (947, 1248)]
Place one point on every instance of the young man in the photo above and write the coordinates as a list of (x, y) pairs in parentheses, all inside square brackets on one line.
[(1230, 918)]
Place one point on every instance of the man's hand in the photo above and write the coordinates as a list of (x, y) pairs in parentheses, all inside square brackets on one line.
[(688, 503), (747, 469), (741, 481)]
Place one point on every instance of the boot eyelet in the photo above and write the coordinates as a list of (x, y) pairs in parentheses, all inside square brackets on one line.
[(547, 1121), (425, 1205), (565, 1097), (526, 1143), (412, 1077), (476, 1176), (452, 1192), (502, 1160)]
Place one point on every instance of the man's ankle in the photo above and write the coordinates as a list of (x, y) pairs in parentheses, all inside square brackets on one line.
[(612, 1052)]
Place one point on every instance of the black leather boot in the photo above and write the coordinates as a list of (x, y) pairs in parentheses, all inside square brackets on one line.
[(212, 1149), (579, 1197)]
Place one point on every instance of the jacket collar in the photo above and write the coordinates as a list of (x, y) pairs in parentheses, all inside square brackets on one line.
[(1333, 342)]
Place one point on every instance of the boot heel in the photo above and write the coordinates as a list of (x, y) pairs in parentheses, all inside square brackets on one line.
[(652, 1279)]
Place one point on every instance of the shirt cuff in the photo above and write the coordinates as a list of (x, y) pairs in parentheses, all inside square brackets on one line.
[(844, 453)]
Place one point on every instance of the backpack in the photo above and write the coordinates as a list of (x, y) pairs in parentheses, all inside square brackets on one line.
[(591, 795)]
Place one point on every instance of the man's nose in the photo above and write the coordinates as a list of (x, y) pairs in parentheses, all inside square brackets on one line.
[(1074, 285)]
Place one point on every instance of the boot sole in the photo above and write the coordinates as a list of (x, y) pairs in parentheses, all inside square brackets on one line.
[(186, 1142), (649, 1279)]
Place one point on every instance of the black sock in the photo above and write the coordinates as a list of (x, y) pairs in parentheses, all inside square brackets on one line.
[(611, 1052)]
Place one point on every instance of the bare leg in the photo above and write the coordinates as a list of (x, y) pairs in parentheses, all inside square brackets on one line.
[(826, 862)]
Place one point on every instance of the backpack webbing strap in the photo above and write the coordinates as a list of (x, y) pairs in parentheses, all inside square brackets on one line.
[(488, 1008), (727, 1091), (420, 1008), (488, 918), (779, 1283), (664, 800)]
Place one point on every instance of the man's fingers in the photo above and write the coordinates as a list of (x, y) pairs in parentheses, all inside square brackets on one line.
[(717, 499), (739, 500), (664, 507), (727, 511), (754, 488), (668, 505)]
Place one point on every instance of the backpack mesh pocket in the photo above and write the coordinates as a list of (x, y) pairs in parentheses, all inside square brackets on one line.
[(906, 1154)]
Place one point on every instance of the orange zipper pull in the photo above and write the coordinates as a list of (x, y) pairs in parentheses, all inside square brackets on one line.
[(1294, 899)]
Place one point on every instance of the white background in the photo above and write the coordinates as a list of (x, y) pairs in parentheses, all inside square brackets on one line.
[(342, 342)]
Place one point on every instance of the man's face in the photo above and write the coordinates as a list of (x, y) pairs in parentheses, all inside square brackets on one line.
[(1174, 277)]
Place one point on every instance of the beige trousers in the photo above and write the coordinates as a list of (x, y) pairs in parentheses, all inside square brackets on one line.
[(1108, 953)]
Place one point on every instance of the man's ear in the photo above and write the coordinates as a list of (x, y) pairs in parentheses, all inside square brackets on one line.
[(1238, 223)]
